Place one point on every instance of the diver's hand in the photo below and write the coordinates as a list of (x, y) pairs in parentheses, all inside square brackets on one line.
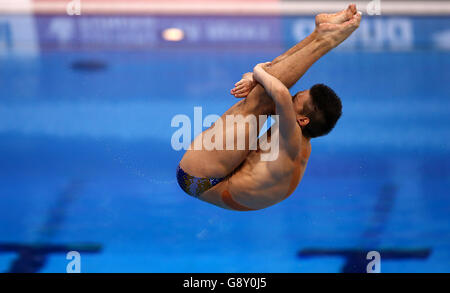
[(259, 70), (243, 87)]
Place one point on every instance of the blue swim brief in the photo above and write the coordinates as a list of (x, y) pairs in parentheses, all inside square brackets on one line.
[(195, 186)]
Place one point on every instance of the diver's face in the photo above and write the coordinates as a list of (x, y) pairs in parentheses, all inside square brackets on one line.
[(299, 101)]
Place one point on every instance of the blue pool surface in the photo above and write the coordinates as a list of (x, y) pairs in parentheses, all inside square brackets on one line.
[(85, 158)]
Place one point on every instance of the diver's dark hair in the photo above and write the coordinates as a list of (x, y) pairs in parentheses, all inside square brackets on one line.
[(323, 111)]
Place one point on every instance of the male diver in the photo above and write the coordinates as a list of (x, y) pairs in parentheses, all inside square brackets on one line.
[(238, 179)]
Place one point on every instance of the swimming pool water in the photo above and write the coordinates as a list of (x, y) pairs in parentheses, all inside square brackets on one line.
[(85, 157)]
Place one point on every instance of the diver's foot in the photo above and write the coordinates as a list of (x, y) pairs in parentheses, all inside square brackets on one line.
[(334, 34), (337, 18)]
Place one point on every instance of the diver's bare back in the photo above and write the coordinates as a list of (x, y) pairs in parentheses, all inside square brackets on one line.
[(258, 184)]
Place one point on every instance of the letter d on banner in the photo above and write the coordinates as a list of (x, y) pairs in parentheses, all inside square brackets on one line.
[(74, 7), (374, 7)]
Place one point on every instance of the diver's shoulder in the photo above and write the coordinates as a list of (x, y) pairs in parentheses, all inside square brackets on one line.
[(306, 148)]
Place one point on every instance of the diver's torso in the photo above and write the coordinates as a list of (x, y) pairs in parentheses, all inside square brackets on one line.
[(258, 184)]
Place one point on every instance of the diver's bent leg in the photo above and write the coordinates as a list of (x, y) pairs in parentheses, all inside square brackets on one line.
[(219, 162), (289, 70), (290, 66), (335, 18)]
